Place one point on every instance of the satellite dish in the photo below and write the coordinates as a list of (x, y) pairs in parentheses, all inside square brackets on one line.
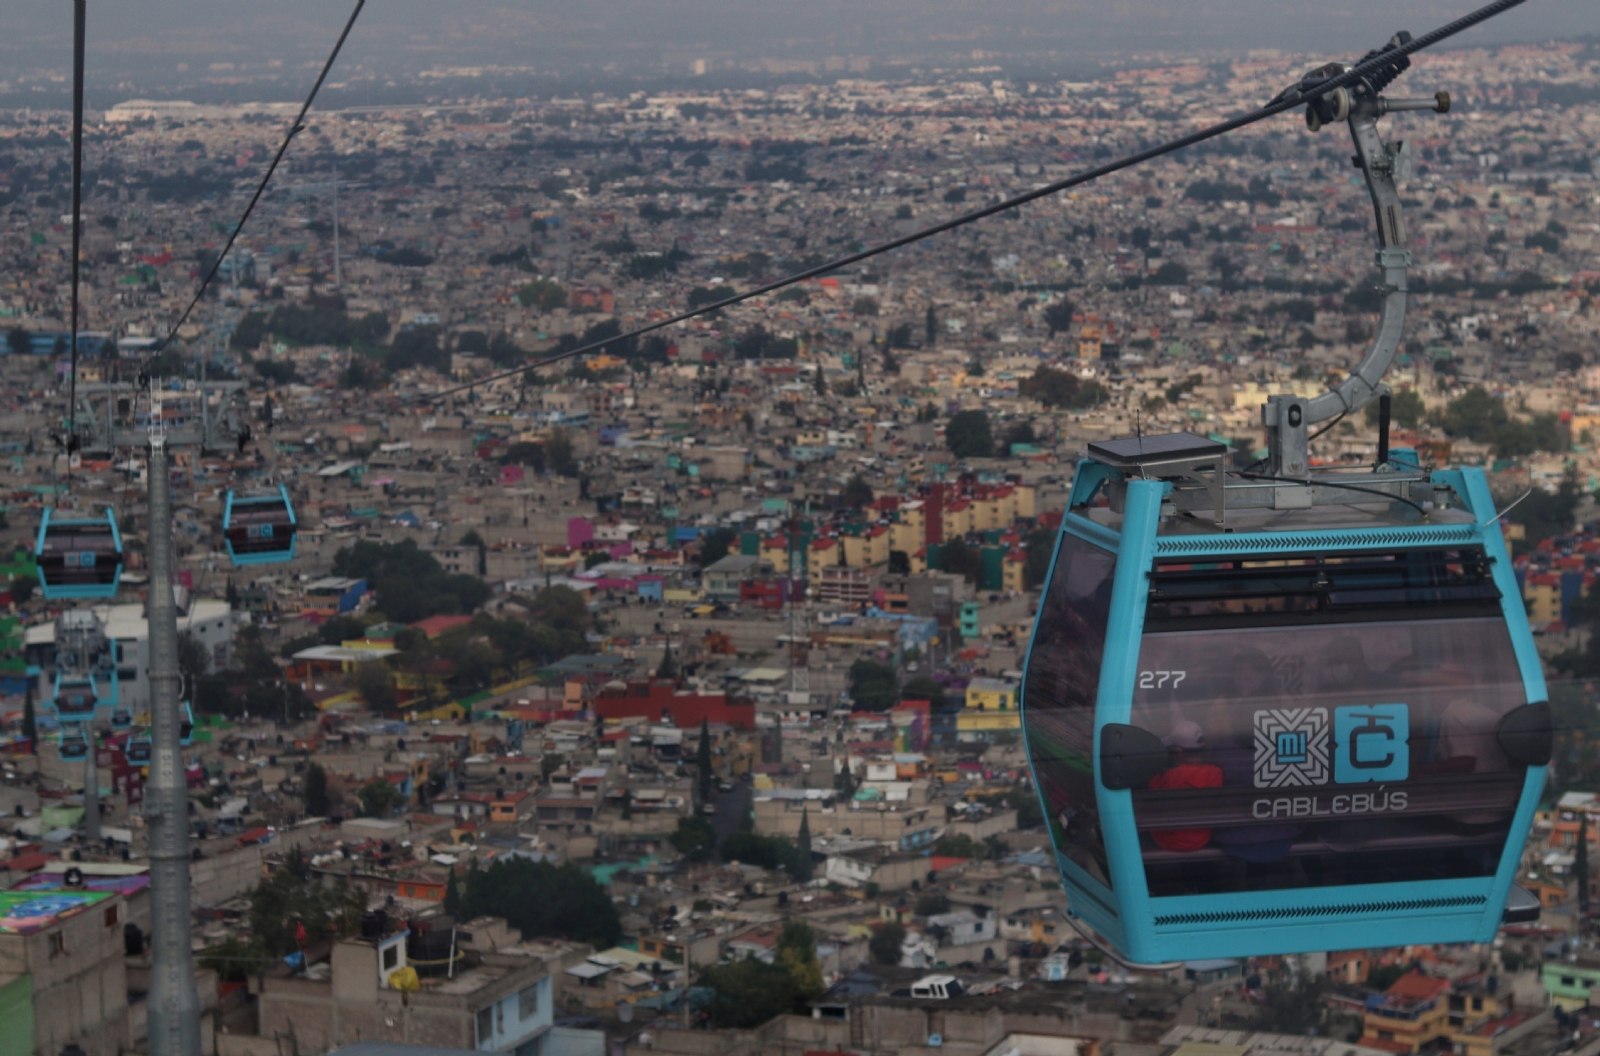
[(625, 1012)]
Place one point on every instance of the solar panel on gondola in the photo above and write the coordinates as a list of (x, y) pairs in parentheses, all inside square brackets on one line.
[(259, 529), (78, 558)]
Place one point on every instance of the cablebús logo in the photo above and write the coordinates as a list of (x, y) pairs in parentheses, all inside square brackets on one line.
[(1371, 743)]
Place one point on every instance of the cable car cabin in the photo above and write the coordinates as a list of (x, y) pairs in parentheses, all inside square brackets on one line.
[(138, 749), (74, 744), (121, 717), (78, 558), (259, 529), (78, 699), (1276, 730), (185, 724)]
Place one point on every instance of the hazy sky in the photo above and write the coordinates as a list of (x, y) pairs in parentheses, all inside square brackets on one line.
[(138, 45)]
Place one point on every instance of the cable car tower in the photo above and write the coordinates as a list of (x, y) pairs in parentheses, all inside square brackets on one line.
[(1282, 709), (206, 416)]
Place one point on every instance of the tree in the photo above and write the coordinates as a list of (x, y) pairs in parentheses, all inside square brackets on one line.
[(1544, 514), (1171, 273), (23, 587), (1051, 387), (543, 900), (749, 993), (1058, 317), (714, 546), (289, 899), (873, 686), (930, 325), (797, 952), (668, 668), (316, 791), (967, 435), (19, 342), (542, 295), (962, 846), (1383, 976), (802, 846), (857, 493), (411, 585), (767, 852), (375, 682), (452, 895), (194, 659), (886, 942), (30, 722), (957, 558), (1293, 1006), (932, 903), (1580, 864), (379, 798), (694, 838), (702, 761), (924, 688), (1405, 410)]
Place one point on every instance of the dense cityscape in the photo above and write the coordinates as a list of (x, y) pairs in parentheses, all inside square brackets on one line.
[(665, 698)]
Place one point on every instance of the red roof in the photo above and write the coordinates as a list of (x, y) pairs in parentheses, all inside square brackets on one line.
[(434, 626), (29, 863), (1417, 986), (938, 862)]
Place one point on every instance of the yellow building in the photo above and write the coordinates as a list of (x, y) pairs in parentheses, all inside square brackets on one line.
[(1415, 1012), (824, 552), (1011, 570), (956, 518), (905, 537), (991, 694), (981, 725), (1542, 592), (776, 551), (1089, 339)]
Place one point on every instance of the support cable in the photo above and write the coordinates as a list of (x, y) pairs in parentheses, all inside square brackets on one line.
[(295, 129), (79, 18), (1376, 65)]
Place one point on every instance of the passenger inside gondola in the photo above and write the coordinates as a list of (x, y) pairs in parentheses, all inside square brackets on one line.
[(1334, 754)]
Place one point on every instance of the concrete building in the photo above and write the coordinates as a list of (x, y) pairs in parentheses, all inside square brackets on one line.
[(65, 952), (499, 998), (209, 620)]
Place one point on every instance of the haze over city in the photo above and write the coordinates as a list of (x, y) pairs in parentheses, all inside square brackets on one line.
[(469, 595)]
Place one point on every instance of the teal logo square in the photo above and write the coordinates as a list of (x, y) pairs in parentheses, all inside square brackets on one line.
[(1371, 743)]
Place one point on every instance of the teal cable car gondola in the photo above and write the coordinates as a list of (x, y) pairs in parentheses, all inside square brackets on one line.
[(260, 529), (1273, 710), (78, 558)]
